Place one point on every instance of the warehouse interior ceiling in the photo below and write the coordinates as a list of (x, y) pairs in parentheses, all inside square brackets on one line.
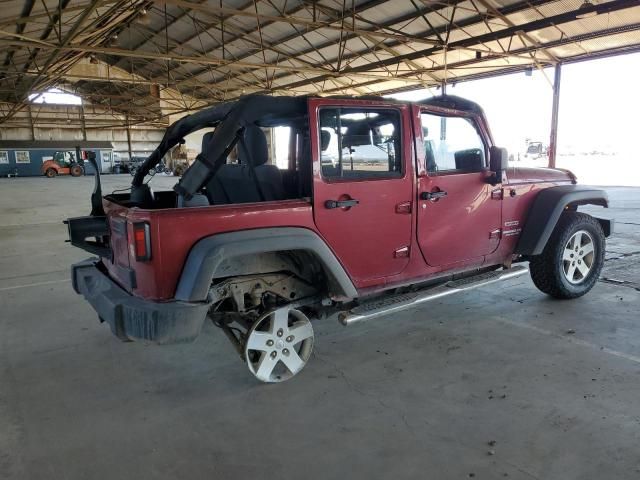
[(146, 60)]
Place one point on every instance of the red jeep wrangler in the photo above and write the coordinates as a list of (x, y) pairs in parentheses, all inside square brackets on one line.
[(383, 205)]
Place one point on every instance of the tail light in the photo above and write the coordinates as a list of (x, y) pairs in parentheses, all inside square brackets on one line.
[(142, 241)]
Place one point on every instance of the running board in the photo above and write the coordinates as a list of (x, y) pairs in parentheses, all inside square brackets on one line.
[(396, 303)]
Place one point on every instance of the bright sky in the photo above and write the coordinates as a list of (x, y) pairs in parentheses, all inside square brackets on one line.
[(55, 96), (599, 105)]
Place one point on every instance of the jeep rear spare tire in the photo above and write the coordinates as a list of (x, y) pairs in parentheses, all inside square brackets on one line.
[(572, 260)]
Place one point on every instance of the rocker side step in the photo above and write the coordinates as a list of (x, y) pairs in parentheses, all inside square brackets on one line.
[(395, 303)]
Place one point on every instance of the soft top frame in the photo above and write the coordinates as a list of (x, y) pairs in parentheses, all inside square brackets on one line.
[(231, 116), (245, 111)]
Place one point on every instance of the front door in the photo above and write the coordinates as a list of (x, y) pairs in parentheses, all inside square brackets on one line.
[(363, 185), (459, 212)]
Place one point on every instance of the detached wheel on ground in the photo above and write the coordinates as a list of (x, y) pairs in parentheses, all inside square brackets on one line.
[(51, 172), (572, 260), (279, 345)]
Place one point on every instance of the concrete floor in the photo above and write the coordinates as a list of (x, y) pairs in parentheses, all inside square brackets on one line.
[(556, 385)]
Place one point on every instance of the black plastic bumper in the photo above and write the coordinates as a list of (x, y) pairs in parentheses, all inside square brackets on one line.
[(133, 318)]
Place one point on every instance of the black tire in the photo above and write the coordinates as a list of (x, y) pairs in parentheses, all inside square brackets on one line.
[(51, 172), (76, 171), (549, 269)]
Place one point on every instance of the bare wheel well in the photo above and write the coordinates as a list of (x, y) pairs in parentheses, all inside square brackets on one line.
[(247, 282), (299, 262), (264, 250)]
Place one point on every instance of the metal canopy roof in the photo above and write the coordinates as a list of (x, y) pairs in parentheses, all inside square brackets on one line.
[(129, 55)]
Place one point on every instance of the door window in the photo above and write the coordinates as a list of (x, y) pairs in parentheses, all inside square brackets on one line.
[(452, 145), (360, 143)]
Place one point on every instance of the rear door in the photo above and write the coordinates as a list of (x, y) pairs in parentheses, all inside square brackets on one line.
[(459, 213), (362, 202)]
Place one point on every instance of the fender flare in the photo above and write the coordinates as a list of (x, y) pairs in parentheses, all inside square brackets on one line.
[(547, 208), (207, 255)]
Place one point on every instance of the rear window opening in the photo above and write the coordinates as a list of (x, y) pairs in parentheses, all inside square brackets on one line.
[(265, 165), (244, 157)]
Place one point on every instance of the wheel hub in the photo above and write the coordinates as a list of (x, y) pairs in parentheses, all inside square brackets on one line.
[(278, 345)]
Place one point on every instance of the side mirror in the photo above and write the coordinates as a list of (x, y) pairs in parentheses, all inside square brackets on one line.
[(498, 158)]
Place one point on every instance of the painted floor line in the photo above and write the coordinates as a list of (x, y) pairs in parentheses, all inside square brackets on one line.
[(49, 282), (38, 274), (14, 225), (571, 339)]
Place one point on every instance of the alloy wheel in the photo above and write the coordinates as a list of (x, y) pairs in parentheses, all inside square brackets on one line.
[(578, 256), (279, 345)]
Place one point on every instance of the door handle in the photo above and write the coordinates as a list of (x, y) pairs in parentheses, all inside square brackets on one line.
[(433, 196), (340, 203)]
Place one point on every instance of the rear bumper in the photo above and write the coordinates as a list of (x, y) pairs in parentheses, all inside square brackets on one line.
[(133, 318)]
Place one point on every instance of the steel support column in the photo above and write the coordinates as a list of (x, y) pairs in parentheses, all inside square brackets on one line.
[(83, 123), (31, 126), (553, 140), (129, 141)]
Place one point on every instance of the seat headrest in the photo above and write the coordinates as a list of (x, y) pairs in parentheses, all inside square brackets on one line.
[(253, 146), (325, 138), (357, 134), (206, 138)]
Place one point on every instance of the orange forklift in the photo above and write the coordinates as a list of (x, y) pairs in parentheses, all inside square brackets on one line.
[(65, 163)]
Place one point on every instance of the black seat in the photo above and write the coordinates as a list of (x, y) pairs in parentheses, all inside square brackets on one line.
[(235, 183), (198, 199), (254, 149), (232, 182), (432, 166), (325, 139)]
